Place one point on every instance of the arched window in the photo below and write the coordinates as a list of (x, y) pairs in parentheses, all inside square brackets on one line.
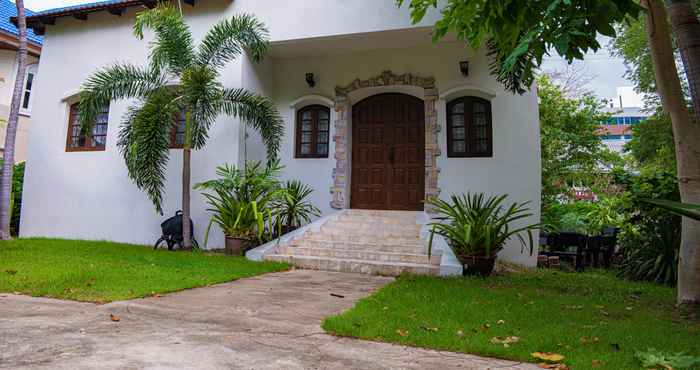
[(469, 131), (79, 141), (313, 131)]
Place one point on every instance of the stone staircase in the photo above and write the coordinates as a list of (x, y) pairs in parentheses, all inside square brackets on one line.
[(363, 241)]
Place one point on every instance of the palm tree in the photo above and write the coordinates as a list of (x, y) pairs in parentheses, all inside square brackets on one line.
[(11, 132), (180, 78)]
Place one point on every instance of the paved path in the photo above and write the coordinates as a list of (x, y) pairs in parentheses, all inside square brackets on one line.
[(266, 322)]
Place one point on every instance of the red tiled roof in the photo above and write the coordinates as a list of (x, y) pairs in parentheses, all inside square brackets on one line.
[(614, 130)]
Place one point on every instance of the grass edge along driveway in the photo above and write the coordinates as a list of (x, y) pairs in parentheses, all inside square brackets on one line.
[(594, 319), (100, 272)]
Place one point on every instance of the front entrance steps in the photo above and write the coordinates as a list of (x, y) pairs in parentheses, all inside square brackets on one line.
[(373, 242)]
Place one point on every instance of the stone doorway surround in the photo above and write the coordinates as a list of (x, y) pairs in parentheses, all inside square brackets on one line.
[(343, 106)]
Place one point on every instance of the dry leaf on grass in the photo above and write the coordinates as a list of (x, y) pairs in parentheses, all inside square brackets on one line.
[(114, 317), (505, 341), (402, 332), (553, 366), (429, 328), (548, 356)]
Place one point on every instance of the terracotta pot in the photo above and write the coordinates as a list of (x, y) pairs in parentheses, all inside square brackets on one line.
[(235, 246), (288, 229), (477, 265)]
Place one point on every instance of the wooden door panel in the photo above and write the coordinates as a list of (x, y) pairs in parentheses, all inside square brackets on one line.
[(388, 155)]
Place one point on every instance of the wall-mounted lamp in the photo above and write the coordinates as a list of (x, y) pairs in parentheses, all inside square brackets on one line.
[(310, 80), (464, 68)]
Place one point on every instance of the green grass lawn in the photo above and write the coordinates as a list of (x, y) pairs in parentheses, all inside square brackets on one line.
[(594, 319), (103, 272)]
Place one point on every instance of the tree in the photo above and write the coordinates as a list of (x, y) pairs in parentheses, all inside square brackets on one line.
[(519, 33), (652, 143), (11, 131), (686, 27), (687, 135), (572, 152), (573, 80), (180, 78)]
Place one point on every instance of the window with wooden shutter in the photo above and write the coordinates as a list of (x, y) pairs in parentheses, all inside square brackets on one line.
[(313, 132), (469, 128)]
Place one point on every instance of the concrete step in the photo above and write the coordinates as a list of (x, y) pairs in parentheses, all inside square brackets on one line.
[(359, 254), (362, 239), (376, 220), (356, 266), (358, 227), (374, 233), (350, 245)]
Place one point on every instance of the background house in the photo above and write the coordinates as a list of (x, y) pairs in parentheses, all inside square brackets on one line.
[(8, 72), (625, 111)]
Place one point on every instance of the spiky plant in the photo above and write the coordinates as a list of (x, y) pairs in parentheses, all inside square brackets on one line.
[(294, 206), (180, 77), (476, 225)]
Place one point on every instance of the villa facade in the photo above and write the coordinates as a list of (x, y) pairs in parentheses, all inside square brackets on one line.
[(377, 116)]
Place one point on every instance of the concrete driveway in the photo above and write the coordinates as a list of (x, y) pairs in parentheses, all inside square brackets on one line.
[(266, 322)]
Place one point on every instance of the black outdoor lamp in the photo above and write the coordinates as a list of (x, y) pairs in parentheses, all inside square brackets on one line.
[(310, 80), (464, 68)]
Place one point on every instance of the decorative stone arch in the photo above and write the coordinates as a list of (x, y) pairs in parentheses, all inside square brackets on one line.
[(343, 107)]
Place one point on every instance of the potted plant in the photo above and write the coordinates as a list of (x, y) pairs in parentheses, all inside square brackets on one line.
[(240, 203), (293, 206), (477, 227)]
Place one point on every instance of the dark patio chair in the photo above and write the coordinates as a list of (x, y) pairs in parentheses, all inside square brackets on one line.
[(568, 245), (608, 244)]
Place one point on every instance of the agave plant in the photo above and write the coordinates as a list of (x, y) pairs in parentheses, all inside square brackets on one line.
[(294, 207), (476, 225), (240, 200)]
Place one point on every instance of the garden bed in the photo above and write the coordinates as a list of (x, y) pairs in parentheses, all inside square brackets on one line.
[(593, 319), (103, 271)]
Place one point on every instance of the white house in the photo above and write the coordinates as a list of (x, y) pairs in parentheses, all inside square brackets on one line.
[(9, 43), (384, 100)]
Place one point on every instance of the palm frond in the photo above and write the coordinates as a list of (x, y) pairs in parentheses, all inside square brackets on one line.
[(144, 142), (172, 47), (257, 111), (115, 82), (226, 40)]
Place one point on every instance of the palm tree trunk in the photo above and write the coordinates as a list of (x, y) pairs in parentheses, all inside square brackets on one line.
[(686, 136), (11, 132), (686, 27), (186, 175)]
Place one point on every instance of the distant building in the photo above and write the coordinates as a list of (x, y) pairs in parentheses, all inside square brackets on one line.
[(9, 44), (617, 131)]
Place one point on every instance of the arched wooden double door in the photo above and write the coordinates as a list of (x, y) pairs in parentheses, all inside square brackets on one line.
[(388, 153)]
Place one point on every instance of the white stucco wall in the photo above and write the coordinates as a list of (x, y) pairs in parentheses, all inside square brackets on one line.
[(88, 195)]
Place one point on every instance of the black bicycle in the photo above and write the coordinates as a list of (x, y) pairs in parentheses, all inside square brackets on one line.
[(172, 233)]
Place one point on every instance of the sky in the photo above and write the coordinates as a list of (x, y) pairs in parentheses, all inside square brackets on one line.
[(607, 72)]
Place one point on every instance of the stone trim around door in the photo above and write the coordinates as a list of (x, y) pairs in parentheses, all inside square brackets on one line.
[(341, 173)]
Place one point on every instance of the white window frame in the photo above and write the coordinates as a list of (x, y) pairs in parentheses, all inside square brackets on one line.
[(31, 69)]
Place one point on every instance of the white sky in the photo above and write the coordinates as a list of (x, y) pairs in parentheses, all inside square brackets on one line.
[(607, 71)]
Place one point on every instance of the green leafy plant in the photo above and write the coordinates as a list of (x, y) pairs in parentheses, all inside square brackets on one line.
[(655, 359), (240, 200), (477, 225), (293, 205)]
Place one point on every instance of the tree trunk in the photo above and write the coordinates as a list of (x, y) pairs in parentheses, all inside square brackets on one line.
[(686, 27), (686, 136), (11, 132), (186, 174)]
